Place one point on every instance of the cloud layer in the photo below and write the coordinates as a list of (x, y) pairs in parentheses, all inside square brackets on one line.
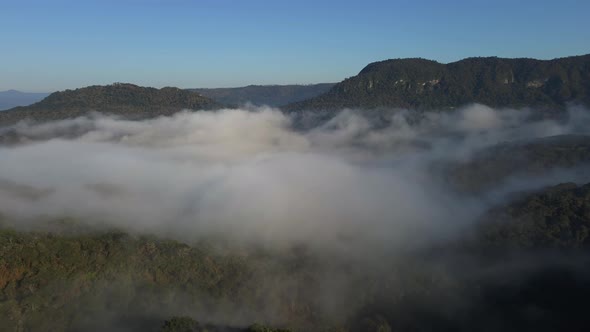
[(250, 176)]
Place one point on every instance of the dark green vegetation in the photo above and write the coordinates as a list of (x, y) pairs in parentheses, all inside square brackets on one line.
[(125, 100), (187, 324), (59, 281), (402, 83), (271, 95), (517, 159), (13, 98), (557, 217), (426, 84), (525, 268), (98, 281)]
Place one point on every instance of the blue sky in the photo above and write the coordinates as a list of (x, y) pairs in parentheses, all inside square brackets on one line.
[(53, 45)]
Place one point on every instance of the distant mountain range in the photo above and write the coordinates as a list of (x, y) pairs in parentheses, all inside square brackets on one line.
[(427, 84), (133, 101), (14, 98), (123, 99), (401, 83), (271, 95)]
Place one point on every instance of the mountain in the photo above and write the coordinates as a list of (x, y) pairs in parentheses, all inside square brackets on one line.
[(426, 84), (122, 99), (13, 98), (271, 95)]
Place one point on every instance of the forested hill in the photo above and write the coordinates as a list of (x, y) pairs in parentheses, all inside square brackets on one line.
[(555, 217), (127, 100), (425, 84), (271, 95)]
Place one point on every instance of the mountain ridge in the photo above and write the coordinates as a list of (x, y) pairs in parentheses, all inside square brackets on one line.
[(270, 95), (419, 83), (121, 99)]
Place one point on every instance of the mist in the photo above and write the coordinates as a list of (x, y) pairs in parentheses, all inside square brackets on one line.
[(339, 220), (251, 176)]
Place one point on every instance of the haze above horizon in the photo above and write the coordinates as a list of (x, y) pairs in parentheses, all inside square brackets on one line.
[(189, 44)]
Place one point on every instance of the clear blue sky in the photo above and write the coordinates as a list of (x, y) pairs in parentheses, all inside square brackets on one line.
[(52, 45)]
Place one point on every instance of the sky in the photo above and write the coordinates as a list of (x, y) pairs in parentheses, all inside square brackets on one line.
[(54, 45)]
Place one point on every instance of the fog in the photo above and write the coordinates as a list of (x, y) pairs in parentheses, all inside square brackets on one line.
[(251, 176), (346, 210)]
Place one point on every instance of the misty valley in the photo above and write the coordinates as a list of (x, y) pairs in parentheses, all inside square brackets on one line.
[(414, 196), (246, 220)]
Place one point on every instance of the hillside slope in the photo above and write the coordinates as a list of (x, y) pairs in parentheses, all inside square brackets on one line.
[(80, 280), (126, 100), (555, 217), (426, 84), (514, 160)]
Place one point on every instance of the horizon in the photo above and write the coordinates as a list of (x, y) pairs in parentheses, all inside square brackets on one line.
[(260, 85), (272, 84), (224, 44), (167, 86)]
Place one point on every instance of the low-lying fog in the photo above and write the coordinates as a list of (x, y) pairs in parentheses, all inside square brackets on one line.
[(251, 175)]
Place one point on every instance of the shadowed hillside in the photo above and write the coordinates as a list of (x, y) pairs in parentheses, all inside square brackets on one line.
[(426, 84), (555, 217), (492, 166), (126, 100)]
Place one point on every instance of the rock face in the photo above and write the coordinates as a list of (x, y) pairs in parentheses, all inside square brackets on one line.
[(126, 100), (426, 84)]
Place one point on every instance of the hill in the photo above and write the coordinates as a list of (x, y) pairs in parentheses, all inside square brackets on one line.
[(13, 98), (555, 217), (519, 159), (271, 95), (80, 279), (426, 84), (126, 100)]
